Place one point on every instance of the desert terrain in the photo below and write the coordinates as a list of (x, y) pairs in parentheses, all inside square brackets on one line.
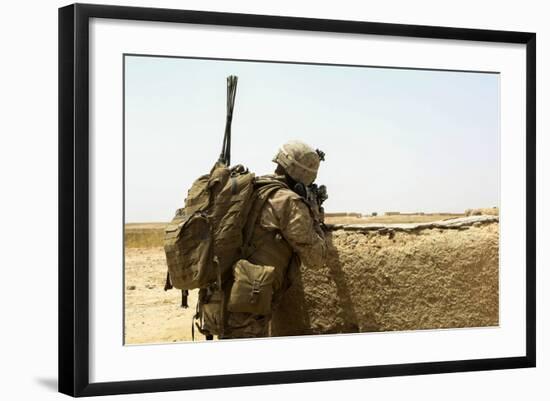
[(153, 315), (389, 272)]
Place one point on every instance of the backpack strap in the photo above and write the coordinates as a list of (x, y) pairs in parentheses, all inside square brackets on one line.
[(168, 283), (265, 190), (184, 299)]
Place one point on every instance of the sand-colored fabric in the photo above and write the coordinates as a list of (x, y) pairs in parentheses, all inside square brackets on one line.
[(205, 237), (288, 213), (285, 227), (252, 288)]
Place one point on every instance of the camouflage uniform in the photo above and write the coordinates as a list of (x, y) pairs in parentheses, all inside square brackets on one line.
[(288, 231)]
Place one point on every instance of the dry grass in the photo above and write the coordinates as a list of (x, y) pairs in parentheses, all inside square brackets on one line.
[(393, 219)]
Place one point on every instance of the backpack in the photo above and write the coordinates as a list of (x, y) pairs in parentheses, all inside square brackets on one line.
[(207, 236), (212, 219)]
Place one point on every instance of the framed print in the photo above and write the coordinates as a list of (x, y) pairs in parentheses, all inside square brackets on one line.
[(371, 212)]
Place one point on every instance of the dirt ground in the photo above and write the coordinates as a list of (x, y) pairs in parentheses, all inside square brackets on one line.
[(153, 315)]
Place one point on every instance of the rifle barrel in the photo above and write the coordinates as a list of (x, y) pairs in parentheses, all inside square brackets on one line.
[(225, 155)]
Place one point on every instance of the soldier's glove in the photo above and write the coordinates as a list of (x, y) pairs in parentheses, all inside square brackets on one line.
[(317, 195), (318, 211), (314, 197), (322, 194)]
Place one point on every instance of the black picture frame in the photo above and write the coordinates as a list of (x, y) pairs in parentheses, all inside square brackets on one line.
[(74, 194)]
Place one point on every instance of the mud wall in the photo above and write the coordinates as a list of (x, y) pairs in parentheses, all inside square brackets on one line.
[(399, 277)]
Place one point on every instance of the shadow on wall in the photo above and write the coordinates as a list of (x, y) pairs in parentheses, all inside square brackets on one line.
[(384, 280), (318, 300)]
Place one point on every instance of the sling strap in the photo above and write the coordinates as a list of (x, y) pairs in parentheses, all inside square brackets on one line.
[(262, 195)]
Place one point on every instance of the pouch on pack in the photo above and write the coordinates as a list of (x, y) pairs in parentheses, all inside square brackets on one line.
[(252, 288)]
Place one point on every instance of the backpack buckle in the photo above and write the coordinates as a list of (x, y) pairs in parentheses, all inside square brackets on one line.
[(256, 285)]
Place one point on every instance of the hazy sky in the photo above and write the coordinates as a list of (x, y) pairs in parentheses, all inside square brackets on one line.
[(395, 139)]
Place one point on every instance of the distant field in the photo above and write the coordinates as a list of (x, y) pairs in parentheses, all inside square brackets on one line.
[(143, 235), (147, 235), (393, 219), (145, 226)]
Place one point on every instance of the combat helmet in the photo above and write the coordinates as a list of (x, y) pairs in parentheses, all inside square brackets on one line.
[(300, 161)]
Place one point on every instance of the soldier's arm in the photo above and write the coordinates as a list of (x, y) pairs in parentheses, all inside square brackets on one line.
[(302, 232)]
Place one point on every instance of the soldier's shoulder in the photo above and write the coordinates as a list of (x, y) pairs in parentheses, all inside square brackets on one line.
[(282, 193), (287, 193), (287, 201)]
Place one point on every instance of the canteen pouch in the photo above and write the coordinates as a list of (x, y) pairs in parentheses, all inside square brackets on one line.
[(252, 289)]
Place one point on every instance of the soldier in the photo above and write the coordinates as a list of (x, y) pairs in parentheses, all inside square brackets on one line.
[(287, 230)]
